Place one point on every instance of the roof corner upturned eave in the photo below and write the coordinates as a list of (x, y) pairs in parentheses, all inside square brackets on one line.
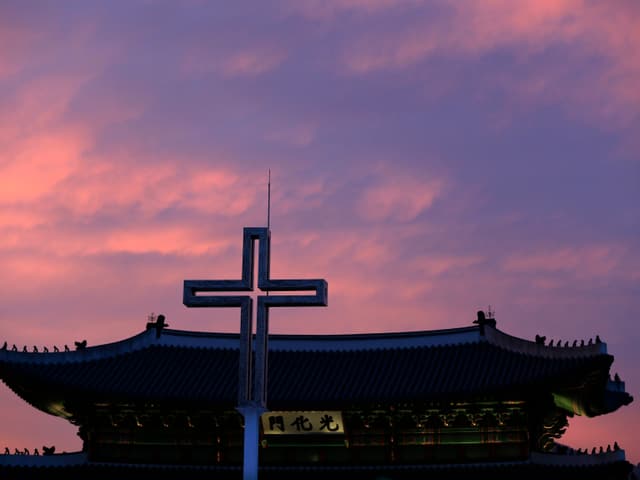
[(590, 395), (528, 347)]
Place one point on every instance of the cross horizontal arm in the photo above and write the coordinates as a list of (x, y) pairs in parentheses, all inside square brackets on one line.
[(218, 285), (293, 285), (291, 301), (192, 300), (319, 299)]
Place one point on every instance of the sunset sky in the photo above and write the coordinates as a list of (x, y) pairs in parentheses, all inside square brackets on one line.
[(428, 159)]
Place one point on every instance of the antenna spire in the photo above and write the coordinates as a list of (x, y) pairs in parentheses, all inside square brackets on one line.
[(269, 201)]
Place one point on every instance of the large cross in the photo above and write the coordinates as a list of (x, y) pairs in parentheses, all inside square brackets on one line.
[(252, 396)]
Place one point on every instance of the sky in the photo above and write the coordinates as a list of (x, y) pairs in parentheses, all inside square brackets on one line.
[(428, 159)]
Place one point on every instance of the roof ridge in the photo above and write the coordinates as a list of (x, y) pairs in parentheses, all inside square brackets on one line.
[(308, 342), (277, 342)]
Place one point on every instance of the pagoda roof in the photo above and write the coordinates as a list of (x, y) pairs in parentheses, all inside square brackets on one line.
[(318, 371)]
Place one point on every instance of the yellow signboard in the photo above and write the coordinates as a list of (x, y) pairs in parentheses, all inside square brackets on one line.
[(302, 423)]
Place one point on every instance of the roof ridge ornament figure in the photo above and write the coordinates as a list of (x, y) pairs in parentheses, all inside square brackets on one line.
[(158, 323), (482, 321), (252, 389), (48, 450)]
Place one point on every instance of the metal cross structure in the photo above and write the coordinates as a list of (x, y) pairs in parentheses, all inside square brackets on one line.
[(252, 395)]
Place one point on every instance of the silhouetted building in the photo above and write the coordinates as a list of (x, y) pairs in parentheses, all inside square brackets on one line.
[(466, 403)]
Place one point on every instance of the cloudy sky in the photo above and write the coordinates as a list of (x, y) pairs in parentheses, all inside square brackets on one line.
[(428, 159)]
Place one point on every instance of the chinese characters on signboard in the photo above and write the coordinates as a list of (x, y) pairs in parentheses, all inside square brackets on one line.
[(301, 423)]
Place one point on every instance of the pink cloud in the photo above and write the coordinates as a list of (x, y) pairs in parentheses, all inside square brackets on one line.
[(362, 251), (584, 262), (162, 239), (529, 27), (13, 216), (31, 130), (15, 39), (370, 278), (392, 50), (323, 9), (438, 264), (35, 166), (300, 135), (48, 164), (42, 101), (476, 29), (250, 61), (291, 196), (398, 197), (39, 150), (114, 184), (34, 270), (50, 178), (143, 193)]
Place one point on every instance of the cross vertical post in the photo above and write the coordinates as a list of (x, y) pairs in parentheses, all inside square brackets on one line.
[(252, 386)]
